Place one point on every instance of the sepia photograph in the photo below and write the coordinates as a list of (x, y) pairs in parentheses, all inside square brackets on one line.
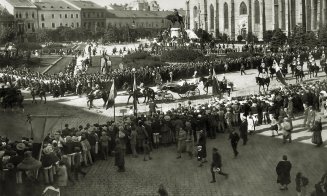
[(163, 98)]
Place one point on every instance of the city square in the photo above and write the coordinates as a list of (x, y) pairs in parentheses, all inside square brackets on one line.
[(149, 98)]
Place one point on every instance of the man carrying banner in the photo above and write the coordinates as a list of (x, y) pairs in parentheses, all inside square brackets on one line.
[(279, 75), (215, 86), (112, 95)]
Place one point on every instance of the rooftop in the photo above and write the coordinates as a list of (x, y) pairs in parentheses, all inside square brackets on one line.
[(54, 5), (137, 14), (21, 3), (86, 5)]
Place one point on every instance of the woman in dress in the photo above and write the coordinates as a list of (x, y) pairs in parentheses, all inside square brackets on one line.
[(181, 143), (251, 124), (189, 139), (316, 136)]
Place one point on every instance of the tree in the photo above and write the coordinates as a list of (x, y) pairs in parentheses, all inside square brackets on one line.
[(322, 36), (251, 38), (66, 33), (267, 36), (311, 39), (43, 35), (298, 37), (203, 35), (110, 35), (278, 39), (239, 38), (7, 34)]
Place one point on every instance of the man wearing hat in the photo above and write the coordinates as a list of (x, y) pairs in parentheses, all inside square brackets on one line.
[(310, 117), (234, 138), (216, 165), (244, 129), (229, 119)]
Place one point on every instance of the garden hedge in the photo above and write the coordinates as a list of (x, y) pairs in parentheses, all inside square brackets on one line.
[(181, 55)]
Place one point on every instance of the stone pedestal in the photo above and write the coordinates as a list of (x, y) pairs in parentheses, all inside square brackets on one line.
[(175, 32)]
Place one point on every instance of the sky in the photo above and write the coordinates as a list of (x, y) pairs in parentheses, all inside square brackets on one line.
[(164, 4)]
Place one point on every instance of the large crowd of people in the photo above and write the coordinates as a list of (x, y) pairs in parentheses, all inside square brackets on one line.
[(66, 153)]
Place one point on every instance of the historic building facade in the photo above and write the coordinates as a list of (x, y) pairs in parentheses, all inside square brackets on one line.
[(6, 19), (54, 14), (137, 19), (240, 17), (24, 12), (93, 16)]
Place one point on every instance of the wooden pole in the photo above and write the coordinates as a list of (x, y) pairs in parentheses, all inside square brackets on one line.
[(41, 148), (115, 112)]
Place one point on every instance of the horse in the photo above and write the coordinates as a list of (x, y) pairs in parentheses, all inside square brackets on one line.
[(223, 87), (299, 74), (100, 94), (206, 83), (41, 93), (147, 93), (262, 82), (313, 70), (12, 98)]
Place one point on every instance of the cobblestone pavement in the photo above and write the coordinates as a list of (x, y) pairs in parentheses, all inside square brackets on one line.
[(251, 174)]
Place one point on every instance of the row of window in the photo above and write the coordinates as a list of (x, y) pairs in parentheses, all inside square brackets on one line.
[(21, 15), (53, 25), (60, 16), (85, 15), (97, 24), (243, 11), (142, 24), (93, 14)]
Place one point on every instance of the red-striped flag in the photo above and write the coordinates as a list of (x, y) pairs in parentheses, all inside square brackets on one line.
[(112, 95)]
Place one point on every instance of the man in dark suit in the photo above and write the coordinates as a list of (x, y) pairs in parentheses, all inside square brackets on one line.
[(216, 165), (234, 138), (283, 171), (244, 130)]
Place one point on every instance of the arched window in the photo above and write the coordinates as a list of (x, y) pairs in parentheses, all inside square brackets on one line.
[(226, 23), (257, 12), (205, 10), (195, 12), (212, 17), (315, 14), (243, 9), (283, 13)]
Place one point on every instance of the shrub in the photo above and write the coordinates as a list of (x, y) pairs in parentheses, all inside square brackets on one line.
[(137, 56), (235, 55), (142, 59), (181, 55)]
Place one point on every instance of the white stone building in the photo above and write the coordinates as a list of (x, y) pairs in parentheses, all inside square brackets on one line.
[(240, 17)]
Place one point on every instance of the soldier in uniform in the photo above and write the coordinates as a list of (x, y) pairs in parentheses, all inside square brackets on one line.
[(293, 66)]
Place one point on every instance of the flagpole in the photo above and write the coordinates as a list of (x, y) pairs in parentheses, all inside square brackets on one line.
[(134, 94), (114, 112)]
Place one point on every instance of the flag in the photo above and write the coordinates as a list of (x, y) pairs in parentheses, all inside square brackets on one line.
[(112, 96), (215, 86), (279, 74), (135, 96)]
